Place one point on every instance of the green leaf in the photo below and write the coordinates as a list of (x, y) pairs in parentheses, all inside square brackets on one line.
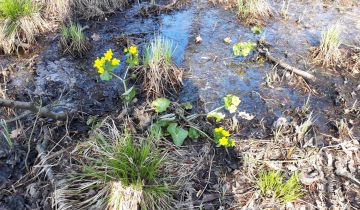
[(105, 76), (129, 95), (187, 105), (178, 134), (231, 103), (193, 133), (256, 30), (243, 48), (218, 116), (160, 104), (156, 130)]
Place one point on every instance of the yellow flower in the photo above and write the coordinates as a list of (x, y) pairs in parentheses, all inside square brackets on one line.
[(101, 70), (108, 55), (223, 141), (115, 62), (225, 133), (125, 50), (99, 62), (232, 143), (133, 50), (219, 130)]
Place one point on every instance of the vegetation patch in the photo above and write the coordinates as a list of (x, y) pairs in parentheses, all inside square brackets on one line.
[(271, 185), (328, 53), (159, 75), (126, 172), (253, 11), (73, 40), (20, 22)]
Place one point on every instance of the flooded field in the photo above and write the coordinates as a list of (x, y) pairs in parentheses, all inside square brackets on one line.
[(297, 128)]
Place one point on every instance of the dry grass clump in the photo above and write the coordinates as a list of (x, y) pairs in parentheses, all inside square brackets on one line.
[(73, 40), (226, 3), (253, 11), (20, 22), (118, 172), (159, 75), (328, 53), (56, 9), (93, 8)]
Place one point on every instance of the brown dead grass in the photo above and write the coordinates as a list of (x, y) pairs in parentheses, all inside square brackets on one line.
[(93, 8), (23, 34)]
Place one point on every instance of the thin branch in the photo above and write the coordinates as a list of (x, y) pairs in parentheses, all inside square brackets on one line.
[(286, 66), (41, 111)]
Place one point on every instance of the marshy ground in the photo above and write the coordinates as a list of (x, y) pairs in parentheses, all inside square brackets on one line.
[(307, 129)]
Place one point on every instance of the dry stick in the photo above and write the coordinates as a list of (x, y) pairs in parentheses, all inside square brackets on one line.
[(286, 66), (42, 111)]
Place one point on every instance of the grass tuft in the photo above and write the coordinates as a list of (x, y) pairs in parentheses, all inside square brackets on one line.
[(130, 171), (328, 53), (271, 185), (159, 74), (254, 12), (6, 134), (20, 21), (73, 40)]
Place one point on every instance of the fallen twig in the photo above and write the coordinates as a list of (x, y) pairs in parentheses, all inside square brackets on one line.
[(286, 66), (41, 111)]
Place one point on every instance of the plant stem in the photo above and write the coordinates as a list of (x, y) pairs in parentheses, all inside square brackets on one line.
[(217, 109)]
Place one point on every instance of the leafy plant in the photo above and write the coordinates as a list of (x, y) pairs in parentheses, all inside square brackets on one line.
[(231, 103), (256, 30), (178, 134), (221, 137), (271, 184), (243, 48), (160, 104), (106, 66), (132, 55), (193, 133)]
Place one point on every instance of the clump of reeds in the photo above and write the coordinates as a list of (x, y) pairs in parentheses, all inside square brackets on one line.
[(20, 22), (328, 52), (73, 40), (118, 172), (253, 11), (159, 74)]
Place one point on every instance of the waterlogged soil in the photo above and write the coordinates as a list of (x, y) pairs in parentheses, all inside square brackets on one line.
[(212, 72)]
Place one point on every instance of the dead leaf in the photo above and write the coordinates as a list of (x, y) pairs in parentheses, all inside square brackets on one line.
[(198, 39), (15, 133), (96, 37)]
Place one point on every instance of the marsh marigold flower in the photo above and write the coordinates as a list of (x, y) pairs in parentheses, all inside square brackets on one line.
[(223, 141), (133, 50), (108, 55), (115, 62)]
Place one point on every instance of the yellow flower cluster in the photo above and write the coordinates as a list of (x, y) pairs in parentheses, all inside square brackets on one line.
[(132, 50), (222, 137), (102, 64)]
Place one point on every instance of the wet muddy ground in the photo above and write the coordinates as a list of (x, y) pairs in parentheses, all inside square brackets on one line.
[(211, 73)]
